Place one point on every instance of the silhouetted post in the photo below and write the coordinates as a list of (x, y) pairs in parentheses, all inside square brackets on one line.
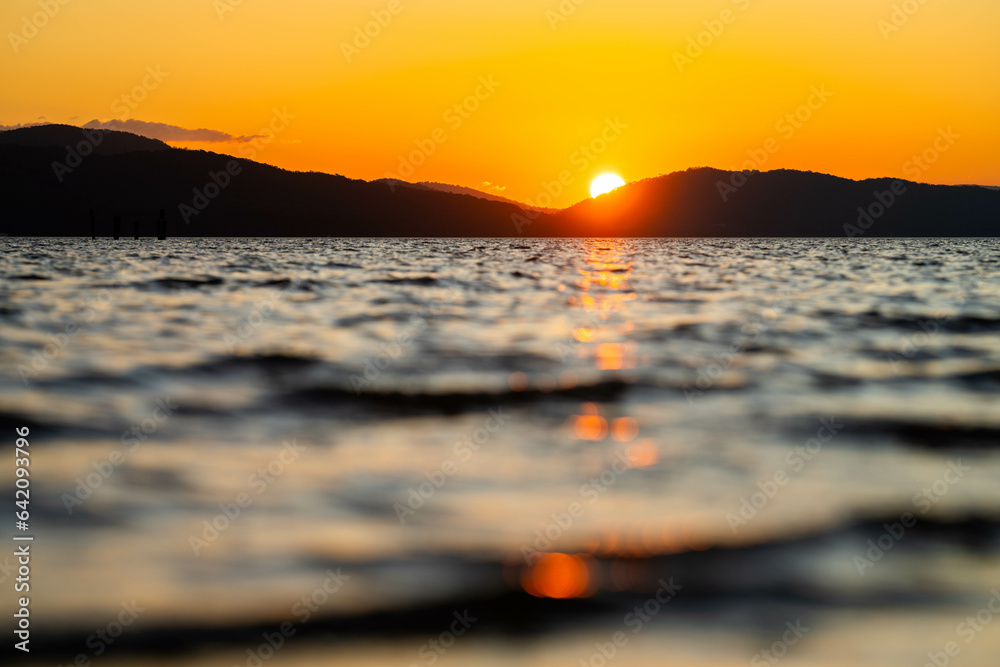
[(93, 225), (161, 226), (118, 226), (135, 229)]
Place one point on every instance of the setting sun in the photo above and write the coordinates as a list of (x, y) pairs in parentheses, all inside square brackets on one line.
[(605, 183)]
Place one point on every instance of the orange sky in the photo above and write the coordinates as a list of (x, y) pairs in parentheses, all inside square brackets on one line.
[(609, 67)]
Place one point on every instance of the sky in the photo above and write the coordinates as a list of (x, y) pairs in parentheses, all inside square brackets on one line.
[(530, 99)]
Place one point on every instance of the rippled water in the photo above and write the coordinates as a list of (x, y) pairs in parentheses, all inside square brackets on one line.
[(429, 415)]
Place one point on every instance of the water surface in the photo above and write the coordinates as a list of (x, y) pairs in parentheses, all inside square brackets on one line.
[(741, 416)]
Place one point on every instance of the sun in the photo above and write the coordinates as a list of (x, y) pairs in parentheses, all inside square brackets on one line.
[(605, 183)]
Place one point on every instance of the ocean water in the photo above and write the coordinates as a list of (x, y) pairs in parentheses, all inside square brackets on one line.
[(698, 444)]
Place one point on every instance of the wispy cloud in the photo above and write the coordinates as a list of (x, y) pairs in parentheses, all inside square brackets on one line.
[(161, 131), (166, 132), (18, 126)]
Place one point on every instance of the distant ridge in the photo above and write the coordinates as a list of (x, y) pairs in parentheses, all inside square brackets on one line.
[(104, 142), (209, 194), (460, 190), (784, 202)]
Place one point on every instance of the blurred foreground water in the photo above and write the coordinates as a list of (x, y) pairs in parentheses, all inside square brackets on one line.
[(485, 452)]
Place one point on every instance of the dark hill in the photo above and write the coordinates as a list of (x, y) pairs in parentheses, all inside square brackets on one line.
[(710, 202), (259, 200), (460, 190), (105, 142), (134, 177)]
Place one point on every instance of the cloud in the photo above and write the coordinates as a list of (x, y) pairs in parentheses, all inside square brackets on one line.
[(20, 125), (165, 132), (161, 131), (491, 187)]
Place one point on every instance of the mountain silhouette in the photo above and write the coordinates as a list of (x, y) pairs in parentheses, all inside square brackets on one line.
[(50, 180), (104, 142), (783, 202), (461, 190)]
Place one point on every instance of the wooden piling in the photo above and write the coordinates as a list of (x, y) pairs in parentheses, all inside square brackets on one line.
[(135, 229), (161, 226), (93, 225), (118, 226)]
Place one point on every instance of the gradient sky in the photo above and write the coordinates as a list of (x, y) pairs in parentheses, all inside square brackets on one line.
[(559, 84)]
